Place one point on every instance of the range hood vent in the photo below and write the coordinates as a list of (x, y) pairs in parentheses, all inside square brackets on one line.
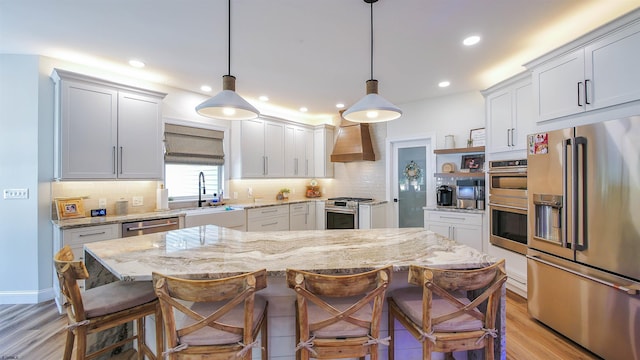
[(353, 143)]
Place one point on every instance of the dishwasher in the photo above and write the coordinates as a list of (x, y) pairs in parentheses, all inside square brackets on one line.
[(149, 226)]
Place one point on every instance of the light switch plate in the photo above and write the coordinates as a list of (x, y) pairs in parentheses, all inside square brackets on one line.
[(102, 203), (137, 201), (16, 193)]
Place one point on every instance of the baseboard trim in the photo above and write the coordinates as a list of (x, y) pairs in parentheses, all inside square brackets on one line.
[(26, 297)]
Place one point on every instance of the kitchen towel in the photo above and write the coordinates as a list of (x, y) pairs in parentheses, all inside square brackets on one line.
[(162, 199)]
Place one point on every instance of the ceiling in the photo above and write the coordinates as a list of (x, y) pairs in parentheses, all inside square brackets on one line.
[(301, 52)]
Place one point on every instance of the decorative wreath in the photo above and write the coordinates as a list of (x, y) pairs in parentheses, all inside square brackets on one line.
[(412, 171)]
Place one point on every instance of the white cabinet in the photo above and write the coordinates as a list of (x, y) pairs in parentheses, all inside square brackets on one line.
[(597, 74), (322, 148), (372, 216), (509, 113), (268, 218), (106, 130), (298, 151), (259, 151), (465, 228), (302, 216), (321, 218)]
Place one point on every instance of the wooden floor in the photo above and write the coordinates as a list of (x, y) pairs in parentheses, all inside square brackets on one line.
[(36, 332)]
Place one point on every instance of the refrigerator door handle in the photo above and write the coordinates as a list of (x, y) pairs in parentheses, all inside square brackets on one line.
[(581, 190), (629, 290), (565, 175)]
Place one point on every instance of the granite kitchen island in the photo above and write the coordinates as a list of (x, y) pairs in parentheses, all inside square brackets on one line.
[(219, 252)]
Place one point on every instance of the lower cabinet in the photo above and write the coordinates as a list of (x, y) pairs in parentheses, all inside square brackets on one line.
[(462, 227), (302, 216), (372, 216), (269, 218)]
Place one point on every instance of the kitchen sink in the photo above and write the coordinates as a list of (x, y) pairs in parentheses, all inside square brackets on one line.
[(225, 216)]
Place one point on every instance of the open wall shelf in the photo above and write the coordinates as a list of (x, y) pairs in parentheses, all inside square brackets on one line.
[(475, 149)]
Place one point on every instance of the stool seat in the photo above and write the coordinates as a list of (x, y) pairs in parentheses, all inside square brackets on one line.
[(214, 336), (117, 296), (409, 300), (341, 329)]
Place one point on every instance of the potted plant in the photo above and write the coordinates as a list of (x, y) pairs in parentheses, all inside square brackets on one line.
[(285, 193)]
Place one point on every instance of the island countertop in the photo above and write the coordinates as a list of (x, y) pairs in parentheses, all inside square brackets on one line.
[(220, 252)]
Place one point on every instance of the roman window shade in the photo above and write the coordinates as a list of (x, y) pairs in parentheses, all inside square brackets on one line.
[(191, 145)]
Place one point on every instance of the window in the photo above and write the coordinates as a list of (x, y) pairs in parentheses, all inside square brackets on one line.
[(189, 151), (182, 180)]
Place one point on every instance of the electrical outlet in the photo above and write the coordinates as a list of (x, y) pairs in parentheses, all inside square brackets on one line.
[(293, 191), (102, 203), (235, 195), (249, 192), (16, 193), (138, 201)]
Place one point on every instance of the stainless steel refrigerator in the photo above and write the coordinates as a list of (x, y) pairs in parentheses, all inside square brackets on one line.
[(583, 261)]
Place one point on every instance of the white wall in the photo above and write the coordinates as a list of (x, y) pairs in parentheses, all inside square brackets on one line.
[(447, 115), (26, 144)]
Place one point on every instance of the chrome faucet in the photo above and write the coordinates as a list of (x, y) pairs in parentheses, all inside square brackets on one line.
[(201, 188)]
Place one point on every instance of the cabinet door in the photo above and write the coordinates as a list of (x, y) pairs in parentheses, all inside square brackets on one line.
[(322, 147), (252, 142), (612, 69), (274, 149), (321, 217), (88, 132), (309, 161), (290, 151), (139, 137), (298, 216), (311, 216), (499, 120), (523, 116), (558, 87), (468, 235), (300, 152)]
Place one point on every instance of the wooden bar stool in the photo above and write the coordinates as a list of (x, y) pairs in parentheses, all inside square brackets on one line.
[(439, 313), (338, 316), (103, 308), (213, 319)]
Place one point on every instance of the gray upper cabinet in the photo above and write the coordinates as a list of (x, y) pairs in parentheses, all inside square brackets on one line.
[(595, 72), (106, 130), (257, 149)]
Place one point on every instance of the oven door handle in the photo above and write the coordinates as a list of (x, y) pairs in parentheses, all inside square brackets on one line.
[(507, 206), (340, 211)]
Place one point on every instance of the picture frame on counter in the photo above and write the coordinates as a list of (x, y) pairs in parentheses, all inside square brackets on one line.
[(474, 163), (69, 208), (477, 137)]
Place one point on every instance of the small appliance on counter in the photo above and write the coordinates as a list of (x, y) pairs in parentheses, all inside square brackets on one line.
[(470, 194), (444, 195)]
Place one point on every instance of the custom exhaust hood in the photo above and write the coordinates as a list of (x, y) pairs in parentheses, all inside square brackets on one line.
[(353, 143)]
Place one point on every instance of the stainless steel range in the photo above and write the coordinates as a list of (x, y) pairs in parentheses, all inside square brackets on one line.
[(342, 212)]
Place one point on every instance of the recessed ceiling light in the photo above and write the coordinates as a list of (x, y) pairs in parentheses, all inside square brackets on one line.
[(205, 88), (304, 109), (471, 40), (136, 63), (340, 105), (264, 98), (444, 84)]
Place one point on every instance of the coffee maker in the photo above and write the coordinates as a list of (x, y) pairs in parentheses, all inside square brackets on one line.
[(444, 195)]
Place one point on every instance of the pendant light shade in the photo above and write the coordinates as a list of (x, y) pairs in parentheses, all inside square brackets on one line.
[(372, 107), (228, 105)]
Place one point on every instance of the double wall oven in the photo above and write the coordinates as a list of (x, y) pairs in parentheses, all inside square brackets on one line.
[(508, 204), (342, 212)]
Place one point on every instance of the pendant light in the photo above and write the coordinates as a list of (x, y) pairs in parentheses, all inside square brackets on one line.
[(373, 107), (228, 105)]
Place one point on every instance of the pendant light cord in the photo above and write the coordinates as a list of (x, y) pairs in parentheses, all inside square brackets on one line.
[(229, 41), (371, 40)]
